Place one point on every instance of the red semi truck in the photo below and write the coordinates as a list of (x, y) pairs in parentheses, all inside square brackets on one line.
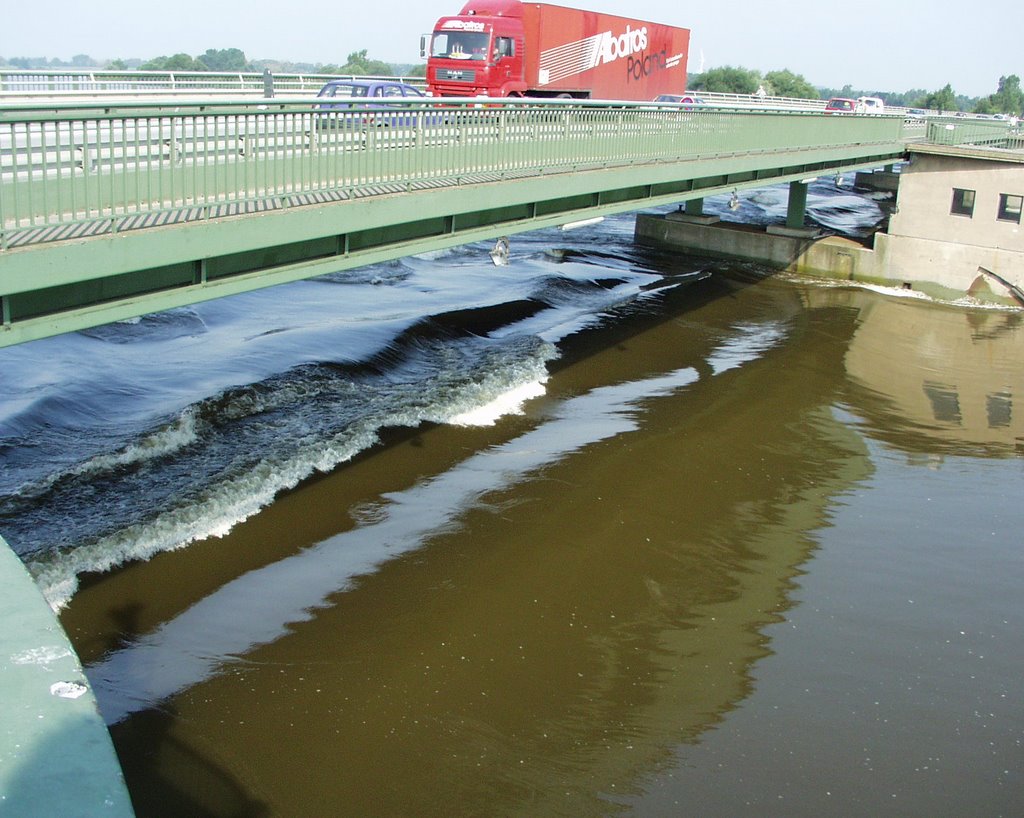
[(502, 48)]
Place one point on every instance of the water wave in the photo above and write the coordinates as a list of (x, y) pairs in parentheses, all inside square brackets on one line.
[(498, 384)]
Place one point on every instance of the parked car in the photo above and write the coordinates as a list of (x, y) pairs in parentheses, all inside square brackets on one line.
[(688, 100), (368, 97), (870, 105), (840, 105)]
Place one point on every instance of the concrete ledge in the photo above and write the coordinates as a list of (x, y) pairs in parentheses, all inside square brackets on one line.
[(723, 239), (792, 232), (680, 216), (878, 180), (56, 756), (940, 269)]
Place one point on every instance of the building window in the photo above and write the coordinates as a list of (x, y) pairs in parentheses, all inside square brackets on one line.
[(963, 202), (1010, 207), (1000, 410), (945, 402)]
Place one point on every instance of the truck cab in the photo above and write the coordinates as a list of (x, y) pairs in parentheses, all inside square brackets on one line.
[(479, 52)]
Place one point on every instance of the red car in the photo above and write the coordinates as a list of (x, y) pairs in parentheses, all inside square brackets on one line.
[(841, 105)]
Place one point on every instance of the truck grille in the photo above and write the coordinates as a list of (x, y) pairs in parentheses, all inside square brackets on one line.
[(456, 75)]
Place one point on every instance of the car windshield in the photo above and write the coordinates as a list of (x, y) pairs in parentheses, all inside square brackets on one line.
[(344, 89), (459, 45)]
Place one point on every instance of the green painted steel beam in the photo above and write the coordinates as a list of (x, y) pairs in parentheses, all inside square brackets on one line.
[(56, 756), (99, 254)]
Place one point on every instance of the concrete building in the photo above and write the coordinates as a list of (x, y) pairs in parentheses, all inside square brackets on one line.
[(956, 230), (958, 214)]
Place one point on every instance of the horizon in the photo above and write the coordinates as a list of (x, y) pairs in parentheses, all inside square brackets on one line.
[(886, 45), (99, 63)]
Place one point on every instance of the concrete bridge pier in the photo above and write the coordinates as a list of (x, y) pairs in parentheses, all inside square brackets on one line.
[(695, 207), (797, 208)]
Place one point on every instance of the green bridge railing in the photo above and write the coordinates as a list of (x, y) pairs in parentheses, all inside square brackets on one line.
[(99, 82), (89, 169), (983, 133)]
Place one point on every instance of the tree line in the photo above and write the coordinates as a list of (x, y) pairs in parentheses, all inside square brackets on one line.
[(224, 59), (1008, 97)]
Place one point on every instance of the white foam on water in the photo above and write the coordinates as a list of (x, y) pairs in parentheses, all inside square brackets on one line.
[(750, 343), (509, 403)]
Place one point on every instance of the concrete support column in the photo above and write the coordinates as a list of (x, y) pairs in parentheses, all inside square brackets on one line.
[(797, 205), (695, 207)]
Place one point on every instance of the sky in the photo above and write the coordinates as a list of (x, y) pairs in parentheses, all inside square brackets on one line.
[(874, 45)]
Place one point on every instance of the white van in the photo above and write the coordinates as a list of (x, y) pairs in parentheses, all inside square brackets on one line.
[(870, 105)]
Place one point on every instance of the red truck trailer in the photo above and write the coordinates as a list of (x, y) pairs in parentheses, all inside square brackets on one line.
[(502, 48)]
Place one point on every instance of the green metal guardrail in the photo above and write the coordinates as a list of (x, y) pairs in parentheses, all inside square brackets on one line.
[(989, 133), (112, 168), (88, 82)]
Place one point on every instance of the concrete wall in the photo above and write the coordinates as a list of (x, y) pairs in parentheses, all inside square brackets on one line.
[(941, 269), (952, 266), (832, 257)]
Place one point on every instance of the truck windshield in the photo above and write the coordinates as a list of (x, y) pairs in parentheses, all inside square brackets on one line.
[(459, 45)]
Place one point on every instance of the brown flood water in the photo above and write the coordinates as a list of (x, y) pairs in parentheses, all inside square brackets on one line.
[(757, 555)]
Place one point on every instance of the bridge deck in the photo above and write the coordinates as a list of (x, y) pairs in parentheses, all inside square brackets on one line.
[(108, 212)]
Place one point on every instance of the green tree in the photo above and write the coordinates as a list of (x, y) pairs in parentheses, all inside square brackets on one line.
[(225, 59), (728, 80), (176, 62), (984, 106), (359, 63), (943, 100), (117, 65), (1008, 99), (785, 83)]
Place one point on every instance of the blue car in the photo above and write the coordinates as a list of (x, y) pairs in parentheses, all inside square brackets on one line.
[(365, 99)]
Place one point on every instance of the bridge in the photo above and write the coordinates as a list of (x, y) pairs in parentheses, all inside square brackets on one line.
[(112, 210), (109, 210)]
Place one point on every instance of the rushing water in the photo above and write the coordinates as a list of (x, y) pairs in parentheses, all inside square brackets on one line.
[(606, 531)]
